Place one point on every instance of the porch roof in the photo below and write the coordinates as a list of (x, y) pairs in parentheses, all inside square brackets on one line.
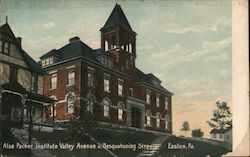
[(14, 86)]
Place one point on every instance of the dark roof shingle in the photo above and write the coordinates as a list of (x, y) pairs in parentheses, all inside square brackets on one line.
[(141, 77), (117, 18)]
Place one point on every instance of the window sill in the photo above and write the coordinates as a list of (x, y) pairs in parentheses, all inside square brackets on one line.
[(68, 85), (107, 91), (107, 117), (52, 89)]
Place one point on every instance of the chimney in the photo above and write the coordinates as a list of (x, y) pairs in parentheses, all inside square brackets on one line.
[(19, 40), (74, 39)]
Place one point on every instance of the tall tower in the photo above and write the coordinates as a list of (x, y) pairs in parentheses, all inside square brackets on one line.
[(118, 38)]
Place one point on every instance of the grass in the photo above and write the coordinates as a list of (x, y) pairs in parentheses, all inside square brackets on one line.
[(201, 148), (104, 135), (124, 136)]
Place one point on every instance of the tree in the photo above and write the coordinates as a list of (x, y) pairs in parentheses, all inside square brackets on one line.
[(83, 124), (185, 127), (197, 133), (221, 116)]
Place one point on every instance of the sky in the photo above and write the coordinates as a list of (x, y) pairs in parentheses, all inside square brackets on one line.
[(186, 43)]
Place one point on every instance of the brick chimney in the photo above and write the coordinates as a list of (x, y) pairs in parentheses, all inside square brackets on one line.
[(74, 39)]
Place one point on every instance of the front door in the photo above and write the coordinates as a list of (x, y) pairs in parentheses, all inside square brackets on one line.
[(136, 117)]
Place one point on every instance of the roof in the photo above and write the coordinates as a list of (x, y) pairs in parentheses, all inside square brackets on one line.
[(117, 18), (141, 77), (218, 131), (14, 86), (7, 33), (72, 50), (5, 29)]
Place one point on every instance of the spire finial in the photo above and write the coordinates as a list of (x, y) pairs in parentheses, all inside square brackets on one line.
[(6, 19)]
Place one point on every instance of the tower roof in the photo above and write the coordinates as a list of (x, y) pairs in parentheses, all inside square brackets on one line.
[(117, 18)]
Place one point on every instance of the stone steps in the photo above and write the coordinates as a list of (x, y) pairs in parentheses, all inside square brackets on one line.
[(152, 152)]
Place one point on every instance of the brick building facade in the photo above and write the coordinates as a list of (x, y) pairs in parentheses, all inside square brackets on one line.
[(106, 81)]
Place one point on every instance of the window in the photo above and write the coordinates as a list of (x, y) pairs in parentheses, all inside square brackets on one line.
[(131, 92), (148, 96), (107, 82), (220, 136), (214, 135), (53, 81), (158, 120), (166, 122), (71, 76), (51, 107), (120, 114), (166, 103), (106, 105), (157, 100), (70, 103), (148, 118), (120, 87), (34, 82), (120, 110), (91, 77), (51, 110), (47, 61), (130, 48), (6, 48)]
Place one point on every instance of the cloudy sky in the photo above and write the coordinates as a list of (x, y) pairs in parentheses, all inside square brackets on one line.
[(187, 44)]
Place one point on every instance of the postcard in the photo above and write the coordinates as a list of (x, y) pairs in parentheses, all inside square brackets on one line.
[(124, 78)]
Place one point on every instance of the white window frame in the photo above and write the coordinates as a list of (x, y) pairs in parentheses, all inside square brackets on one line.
[(6, 47), (120, 114), (120, 110), (71, 77), (120, 87), (70, 103), (106, 110), (106, 82), (158, 120), (53, 81), (166, 103), (106, 107), (148, 96), (157, 100), (148, 118), (166, 122)]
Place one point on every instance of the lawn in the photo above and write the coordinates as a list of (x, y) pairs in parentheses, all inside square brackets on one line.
[(104, 135), (199, 148), (126, 136)]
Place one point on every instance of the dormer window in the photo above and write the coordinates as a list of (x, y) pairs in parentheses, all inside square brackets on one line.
[(4, 47), (47, 61), (105, 61)]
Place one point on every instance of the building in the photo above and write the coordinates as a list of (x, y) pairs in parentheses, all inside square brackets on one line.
[(21, 84), (223, 135), (106, 81)]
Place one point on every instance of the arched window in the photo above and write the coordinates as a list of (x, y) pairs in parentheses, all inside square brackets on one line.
[(148, 117), (120, 110), (70, 103), (106, 105), (51, 107), (158, 120), (166, 122)]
